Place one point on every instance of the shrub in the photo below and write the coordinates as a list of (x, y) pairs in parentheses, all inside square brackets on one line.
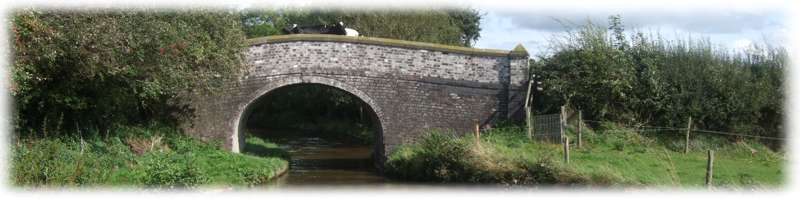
[(649, 80), (90, 70), (171, 170), (254, 176), (437, 157)]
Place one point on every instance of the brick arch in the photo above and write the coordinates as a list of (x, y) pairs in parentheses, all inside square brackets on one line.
[(244, 108)]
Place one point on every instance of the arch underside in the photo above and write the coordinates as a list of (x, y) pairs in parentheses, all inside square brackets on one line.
[(244, 109)]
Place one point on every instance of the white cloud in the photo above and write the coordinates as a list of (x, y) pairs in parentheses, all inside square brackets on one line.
[(728, 26), (742, 43), (694, 20)]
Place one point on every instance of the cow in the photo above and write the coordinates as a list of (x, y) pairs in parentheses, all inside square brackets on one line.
[(336, 29)]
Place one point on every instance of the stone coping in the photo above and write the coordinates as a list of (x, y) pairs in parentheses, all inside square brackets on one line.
[(387, 42)]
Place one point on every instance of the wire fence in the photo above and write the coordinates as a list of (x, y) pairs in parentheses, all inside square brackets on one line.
[(547, 127), (679, 130), (554, 128)]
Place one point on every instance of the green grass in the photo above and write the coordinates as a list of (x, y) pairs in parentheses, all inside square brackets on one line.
[(141, 157), (659, 160), (611, 157)]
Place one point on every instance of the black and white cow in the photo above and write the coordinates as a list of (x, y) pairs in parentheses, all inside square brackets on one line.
[(336, 29)]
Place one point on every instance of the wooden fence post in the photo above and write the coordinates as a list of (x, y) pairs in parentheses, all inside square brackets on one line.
[(580, 128), (528, 116), (710, 168), (566, 149), (562, 121), (688, 129), (477, 133), (528, 122)]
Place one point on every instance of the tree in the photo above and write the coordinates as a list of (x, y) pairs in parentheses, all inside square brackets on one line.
[(617, 32), (79, 70), (648, 80), (469, 20), (263, 23), (445, 26)]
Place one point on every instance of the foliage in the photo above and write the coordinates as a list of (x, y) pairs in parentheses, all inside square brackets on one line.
[(444, 26), (644, 79), (170, 160), (164, 169), (469, 21), (442, 158), (327, 110), (438, 157), (76, 71), (262, 23)]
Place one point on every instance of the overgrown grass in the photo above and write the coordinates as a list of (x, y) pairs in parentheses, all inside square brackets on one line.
[(140, 156), (613, 156)]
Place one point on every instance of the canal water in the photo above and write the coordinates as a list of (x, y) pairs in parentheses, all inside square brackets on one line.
[(319, 161), (322, 162)]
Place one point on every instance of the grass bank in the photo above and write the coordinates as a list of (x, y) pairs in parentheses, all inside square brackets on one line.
[(611, 156), (158, 157)]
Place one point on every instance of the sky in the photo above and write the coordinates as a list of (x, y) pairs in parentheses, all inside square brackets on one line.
[(733, 24), (732, 27)]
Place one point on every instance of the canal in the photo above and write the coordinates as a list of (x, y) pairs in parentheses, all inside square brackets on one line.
[(329, 134), (322, 161)]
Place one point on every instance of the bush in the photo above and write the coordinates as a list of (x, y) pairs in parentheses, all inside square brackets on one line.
[(648, 80), (254, 176), (438, 157), (167, 170), (83, 71)]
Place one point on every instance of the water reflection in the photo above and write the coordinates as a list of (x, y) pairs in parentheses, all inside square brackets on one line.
[(319, 161)]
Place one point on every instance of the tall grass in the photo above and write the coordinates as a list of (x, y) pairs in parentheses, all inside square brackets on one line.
[(152, 156)]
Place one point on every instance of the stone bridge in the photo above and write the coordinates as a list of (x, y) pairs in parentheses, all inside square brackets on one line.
[(411, 87)]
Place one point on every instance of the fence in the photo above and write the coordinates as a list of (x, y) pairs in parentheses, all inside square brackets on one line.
[(547, 127), (664, 129), (555, 127), (550, 127)]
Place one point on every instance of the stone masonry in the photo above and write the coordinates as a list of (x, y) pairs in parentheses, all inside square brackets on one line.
[(411, 87)]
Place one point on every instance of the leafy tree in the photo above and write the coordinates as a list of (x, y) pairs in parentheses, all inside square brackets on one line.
[(444, 26), (79, 70), (469, 20), (263, 23), (644, 79), (590, 74), (617, 31)]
